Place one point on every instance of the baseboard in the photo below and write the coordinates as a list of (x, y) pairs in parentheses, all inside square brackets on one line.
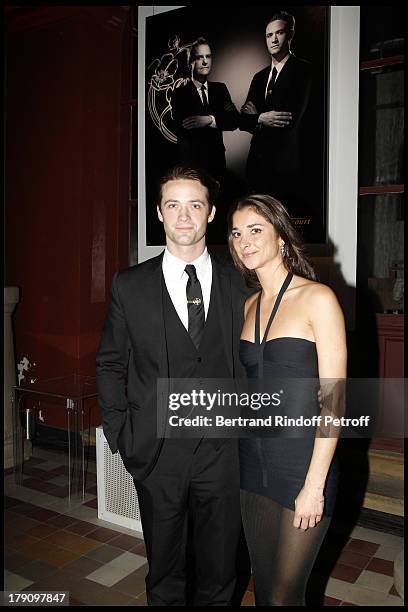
[(381, 521)]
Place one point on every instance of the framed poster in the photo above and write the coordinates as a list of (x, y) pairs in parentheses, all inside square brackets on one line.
[(287, 161)]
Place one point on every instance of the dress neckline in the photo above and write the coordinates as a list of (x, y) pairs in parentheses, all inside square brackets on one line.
[(280, 338), (278, 300)]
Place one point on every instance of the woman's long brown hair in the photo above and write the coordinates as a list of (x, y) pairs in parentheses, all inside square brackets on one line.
[(294, 258)]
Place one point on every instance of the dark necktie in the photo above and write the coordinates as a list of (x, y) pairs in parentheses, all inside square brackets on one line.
[(270, 85), (195, 305), (204, 95)]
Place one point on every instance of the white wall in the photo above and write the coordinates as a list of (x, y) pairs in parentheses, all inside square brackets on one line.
[(343, 151)]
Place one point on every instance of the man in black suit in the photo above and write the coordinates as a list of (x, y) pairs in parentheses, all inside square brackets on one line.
[(277, 99), (178, 315), (201, 110)]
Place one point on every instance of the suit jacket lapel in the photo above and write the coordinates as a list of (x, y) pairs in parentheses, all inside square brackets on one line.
[(153, 294), (196, 97), (222, 284), (287, 71)]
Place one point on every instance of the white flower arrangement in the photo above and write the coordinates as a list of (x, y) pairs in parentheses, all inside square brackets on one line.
[(25, 365)]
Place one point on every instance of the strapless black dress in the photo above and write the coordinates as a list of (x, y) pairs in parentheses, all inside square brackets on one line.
[(277, 467)]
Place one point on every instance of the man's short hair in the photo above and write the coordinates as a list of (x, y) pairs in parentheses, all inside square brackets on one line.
[(286, 17), (182, 172), (193, 50)]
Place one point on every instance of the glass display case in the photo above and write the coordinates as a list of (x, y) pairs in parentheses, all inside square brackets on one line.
[(69, 394)]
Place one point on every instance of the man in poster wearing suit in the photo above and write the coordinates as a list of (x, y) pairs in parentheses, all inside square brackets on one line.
[(178, 315), (201, 110), (277, 99)]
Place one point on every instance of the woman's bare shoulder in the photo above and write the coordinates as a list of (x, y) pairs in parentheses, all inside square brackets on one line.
[(318, 300)]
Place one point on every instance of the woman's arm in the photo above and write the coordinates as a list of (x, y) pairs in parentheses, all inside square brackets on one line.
[(326, 319)]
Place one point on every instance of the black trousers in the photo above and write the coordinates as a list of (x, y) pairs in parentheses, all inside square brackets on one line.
[(195, 484)]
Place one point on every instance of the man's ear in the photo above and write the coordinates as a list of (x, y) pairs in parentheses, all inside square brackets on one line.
[(159, 214), (212, 214)]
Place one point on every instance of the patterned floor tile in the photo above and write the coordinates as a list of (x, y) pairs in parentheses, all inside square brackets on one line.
[(38, 485), (250, 586), (36, 570), (93, 503), (14, 560), (11, 502), (80, 527), (71, 541), (133, 585), (75, 602), (378, 537), (393, 591), (375, 582), (49, 553), (248, 599), (60, 480), (48, 466), (83, 513), (9, 517), (105, 553), (128, 561), (331, 601), (42, 531), (19, 541), (136, 602), (366, 597), (362, 547), (387, 552), (346, 572), (102, 534), (83, 566), (35, 460), (381, 566), (14, 582), (91, 478), (94, 594), (62, 506), (25, 509), (31, 496), (124, 541), (61, 521), (43, 515), (55, 535), (139, 549), (24, 523), (348, 557), (61, 580), (108, 575), (338, 589), (61, 492)]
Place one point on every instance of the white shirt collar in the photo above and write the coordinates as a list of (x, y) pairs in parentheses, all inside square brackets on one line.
[(199, 85), (175, 266), (280, 65)]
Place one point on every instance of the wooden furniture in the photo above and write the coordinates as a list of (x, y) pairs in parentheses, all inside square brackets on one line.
[(391, 366)]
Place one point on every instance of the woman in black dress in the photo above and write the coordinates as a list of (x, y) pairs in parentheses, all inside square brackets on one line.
[(294, 329)]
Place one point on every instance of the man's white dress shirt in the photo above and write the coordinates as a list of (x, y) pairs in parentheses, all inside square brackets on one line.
[(176, 279)]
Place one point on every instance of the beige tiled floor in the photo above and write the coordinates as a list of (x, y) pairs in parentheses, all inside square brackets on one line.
[(51, 544)]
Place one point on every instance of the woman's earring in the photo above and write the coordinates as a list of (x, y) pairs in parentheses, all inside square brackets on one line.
[(282, 249)]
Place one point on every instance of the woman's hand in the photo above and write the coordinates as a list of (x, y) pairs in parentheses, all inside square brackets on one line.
[(309, 506)]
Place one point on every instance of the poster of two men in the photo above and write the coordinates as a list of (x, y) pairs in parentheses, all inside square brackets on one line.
[(246, 99)]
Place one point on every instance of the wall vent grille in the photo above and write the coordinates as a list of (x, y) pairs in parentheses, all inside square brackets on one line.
[(117, 497)]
